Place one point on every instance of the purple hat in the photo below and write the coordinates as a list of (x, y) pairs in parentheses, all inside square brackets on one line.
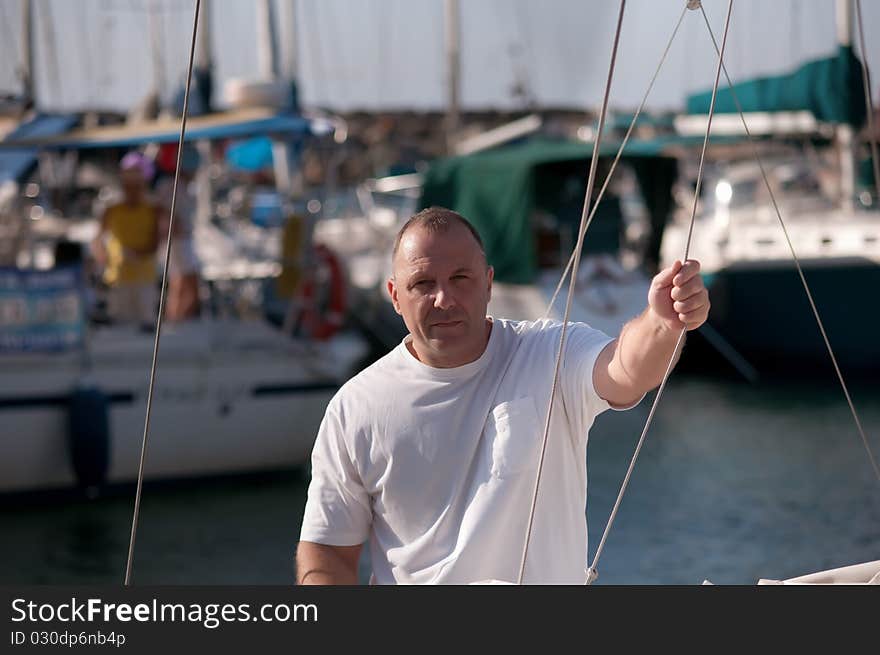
[(135, 160)]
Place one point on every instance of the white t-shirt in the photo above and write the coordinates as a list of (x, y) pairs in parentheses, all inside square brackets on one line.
[(436, 467)]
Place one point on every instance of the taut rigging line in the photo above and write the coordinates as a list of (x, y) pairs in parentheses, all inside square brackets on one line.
[(140, 478)]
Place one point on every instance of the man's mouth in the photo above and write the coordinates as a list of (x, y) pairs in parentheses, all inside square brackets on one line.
[(446, 323)]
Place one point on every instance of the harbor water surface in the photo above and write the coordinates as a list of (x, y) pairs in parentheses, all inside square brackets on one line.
[(735, 482)]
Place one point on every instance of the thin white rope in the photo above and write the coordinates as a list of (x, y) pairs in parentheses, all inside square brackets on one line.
[(140, 479), (869, 103), (592, 572), (617, 157), (796, 259), (580, 242)]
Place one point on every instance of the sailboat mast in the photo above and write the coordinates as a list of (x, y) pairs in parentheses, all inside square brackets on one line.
[(453, 75), (267, 58), (204, 63), (288, 41), (204, 60), (27, 52), (156, 47), (845, 132)]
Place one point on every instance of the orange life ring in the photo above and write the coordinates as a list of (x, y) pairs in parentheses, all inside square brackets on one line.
[(324, 295)]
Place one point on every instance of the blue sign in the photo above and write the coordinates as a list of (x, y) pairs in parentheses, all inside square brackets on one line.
[(41, 311)]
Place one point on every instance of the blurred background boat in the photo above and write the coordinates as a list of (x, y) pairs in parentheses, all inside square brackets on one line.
[(232, 396), (242, 385), (807, 128)]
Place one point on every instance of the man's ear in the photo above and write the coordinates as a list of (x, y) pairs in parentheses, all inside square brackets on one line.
[(491, 275), (392, 291)]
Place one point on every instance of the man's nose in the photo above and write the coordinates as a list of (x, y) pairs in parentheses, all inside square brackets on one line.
[(443, 299)]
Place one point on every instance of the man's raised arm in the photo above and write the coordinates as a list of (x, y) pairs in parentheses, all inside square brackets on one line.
[(634, 363)]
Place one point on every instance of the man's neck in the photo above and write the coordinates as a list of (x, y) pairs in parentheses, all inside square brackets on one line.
[(438, 361)]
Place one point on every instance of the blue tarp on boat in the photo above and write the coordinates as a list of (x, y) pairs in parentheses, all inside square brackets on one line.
[(16, 164)]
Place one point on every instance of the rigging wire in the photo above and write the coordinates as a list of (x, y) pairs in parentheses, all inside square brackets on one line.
[(794, 255), (592, 572), (580, 243), (140, 478)]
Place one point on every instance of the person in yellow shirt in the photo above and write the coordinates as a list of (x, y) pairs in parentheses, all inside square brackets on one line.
[(126, 246)]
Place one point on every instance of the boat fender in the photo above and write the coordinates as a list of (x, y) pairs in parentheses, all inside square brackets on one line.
[(89, 435)]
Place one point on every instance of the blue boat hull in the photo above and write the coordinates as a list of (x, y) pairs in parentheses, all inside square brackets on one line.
[(761, 309)]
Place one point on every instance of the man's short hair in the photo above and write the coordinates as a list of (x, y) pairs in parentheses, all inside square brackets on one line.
[(437, 219)]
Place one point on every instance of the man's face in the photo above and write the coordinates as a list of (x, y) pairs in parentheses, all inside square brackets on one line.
[(441, 287)]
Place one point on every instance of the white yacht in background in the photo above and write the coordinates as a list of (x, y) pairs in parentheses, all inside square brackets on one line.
[(231, 396), (805, 124), (758, 302)]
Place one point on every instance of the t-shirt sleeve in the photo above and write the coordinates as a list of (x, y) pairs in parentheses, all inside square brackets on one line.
[(338, 511), (582, 347)]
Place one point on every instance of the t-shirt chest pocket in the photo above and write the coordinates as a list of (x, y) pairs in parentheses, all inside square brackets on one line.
[(513, 429)]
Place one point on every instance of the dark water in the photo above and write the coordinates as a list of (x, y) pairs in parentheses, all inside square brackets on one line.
[(734, 483)]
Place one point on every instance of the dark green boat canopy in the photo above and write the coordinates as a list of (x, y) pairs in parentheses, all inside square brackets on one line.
[(498, 191), (830, 88)]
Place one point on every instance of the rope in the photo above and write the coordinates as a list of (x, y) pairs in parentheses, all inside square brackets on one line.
[(869, 103), (592, 572), (796, 259), (580, 242), (617, 157), (140, 479)]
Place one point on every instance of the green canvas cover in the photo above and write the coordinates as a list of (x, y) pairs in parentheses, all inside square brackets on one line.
[(498, 191), (831, 88)]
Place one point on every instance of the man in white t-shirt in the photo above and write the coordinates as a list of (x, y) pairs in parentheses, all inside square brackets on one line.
[(431, 453)]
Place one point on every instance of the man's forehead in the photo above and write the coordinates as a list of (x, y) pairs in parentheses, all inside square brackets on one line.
[(420, 246)]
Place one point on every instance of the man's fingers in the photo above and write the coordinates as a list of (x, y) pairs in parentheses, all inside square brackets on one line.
[(665, 277), (687, 271), (695, 318), (691, 304), (690, 288)]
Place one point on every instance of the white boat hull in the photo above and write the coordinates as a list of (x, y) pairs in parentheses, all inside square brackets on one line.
[(603, 303), (229, 397)]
